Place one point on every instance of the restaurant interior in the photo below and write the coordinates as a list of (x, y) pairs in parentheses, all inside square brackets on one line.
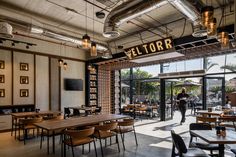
[(130, 78)]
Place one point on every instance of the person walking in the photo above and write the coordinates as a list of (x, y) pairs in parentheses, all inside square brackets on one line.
[(182, 100)]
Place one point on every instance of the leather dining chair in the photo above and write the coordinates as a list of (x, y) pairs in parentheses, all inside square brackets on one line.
[(125, 126), (74, 138), (179, 144), (102, 132)]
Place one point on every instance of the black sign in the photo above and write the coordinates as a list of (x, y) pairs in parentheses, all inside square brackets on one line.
[(149, 48)]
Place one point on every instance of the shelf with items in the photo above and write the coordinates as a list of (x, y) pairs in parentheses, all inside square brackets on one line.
[(8, 109), (92, 85)]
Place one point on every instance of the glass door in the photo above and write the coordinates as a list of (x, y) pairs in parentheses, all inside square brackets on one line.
[(169, 100), (215, 91)]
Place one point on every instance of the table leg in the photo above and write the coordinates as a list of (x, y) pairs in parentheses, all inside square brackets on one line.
[(48, 140), (221, 150), (53, 141)]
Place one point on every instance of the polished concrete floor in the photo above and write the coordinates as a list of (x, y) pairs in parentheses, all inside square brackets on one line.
[(153, 138)]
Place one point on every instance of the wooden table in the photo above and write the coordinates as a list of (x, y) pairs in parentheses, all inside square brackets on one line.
[(210, 137), (16, 116), (212, 113), (52, 125)]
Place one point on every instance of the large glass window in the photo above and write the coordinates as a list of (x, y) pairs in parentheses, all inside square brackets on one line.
[(125, 74), (194, 64), (230, 65), (125, 93), (215, 64), (146, 72), (230, 89)]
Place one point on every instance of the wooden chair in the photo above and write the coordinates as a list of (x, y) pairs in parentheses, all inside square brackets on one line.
[(210, 120), (125, 126), (27, 125), (75, 138), (228, 121), (178, 143), (106, 131)]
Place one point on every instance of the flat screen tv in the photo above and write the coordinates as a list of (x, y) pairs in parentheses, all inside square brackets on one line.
[(73, 84)]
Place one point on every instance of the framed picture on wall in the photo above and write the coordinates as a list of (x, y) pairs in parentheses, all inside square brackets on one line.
[(2, 64), (24, 66), (2, 79), (2, 92), (24, 80), (24, 92)]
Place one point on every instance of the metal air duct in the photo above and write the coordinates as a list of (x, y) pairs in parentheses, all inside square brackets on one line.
[(24, 26), (132, 9), (127, 11)]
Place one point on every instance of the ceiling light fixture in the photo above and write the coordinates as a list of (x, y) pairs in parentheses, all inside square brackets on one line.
[(211, 29), (86, 38), (223, 35), (207, 15), (93, 49)]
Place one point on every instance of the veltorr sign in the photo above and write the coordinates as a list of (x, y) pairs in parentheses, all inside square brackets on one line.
[(149, 48)]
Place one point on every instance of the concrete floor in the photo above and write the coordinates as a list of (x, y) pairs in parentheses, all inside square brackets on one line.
[(153, 138)]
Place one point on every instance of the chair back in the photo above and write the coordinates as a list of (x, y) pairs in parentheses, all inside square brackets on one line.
[(31, 121), (178, 143), (80, 134), (106, 127), (200, 126), (206, 119), (228, 118), (126, 122)]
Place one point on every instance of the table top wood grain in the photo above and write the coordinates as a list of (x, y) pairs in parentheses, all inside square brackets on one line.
[(206, 112), (29, 114), (51, 125)]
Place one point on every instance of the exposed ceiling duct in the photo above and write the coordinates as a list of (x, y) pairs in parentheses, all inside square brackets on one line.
[(127, 11), (24, 26), (132, 9), (5, 30)]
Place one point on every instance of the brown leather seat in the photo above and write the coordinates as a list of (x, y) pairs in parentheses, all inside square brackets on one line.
[(79, 137), (125, 126), (105, 131)]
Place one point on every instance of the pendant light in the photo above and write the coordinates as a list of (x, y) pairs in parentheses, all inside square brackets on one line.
[(65, 66), (207, 15), (93, 49), (211, 29), (60, 61), (223, 35), (86, 38)]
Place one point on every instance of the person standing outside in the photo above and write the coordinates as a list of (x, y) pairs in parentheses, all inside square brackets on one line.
[(182, 99)]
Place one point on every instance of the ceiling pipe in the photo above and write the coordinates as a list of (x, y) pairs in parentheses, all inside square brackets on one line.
[(128, 11), (132, 9), (24, 26)]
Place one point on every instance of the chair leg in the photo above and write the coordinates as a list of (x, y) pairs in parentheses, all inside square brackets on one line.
[(101, 146), (89, 147), (135, 138), (95, 148), (117, 141), (82, 149), (24, 134), (173, 151), (72, 148), (122, 138), (41, 140)]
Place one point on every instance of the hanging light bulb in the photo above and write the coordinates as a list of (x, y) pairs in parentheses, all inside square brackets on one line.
[(93, 50), (207, 15), (65, 66), (60, 62), (211, 29), (86, 41), (223, 38)]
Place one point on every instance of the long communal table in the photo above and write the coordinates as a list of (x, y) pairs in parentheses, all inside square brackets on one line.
[(53, 125), (18, 115), (210, 137)]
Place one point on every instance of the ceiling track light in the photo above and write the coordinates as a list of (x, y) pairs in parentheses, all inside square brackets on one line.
[(60, 62), (65, 66), (223, 38)]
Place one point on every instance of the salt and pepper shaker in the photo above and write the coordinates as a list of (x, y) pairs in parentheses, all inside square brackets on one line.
[(218, 131), (223, 132)]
